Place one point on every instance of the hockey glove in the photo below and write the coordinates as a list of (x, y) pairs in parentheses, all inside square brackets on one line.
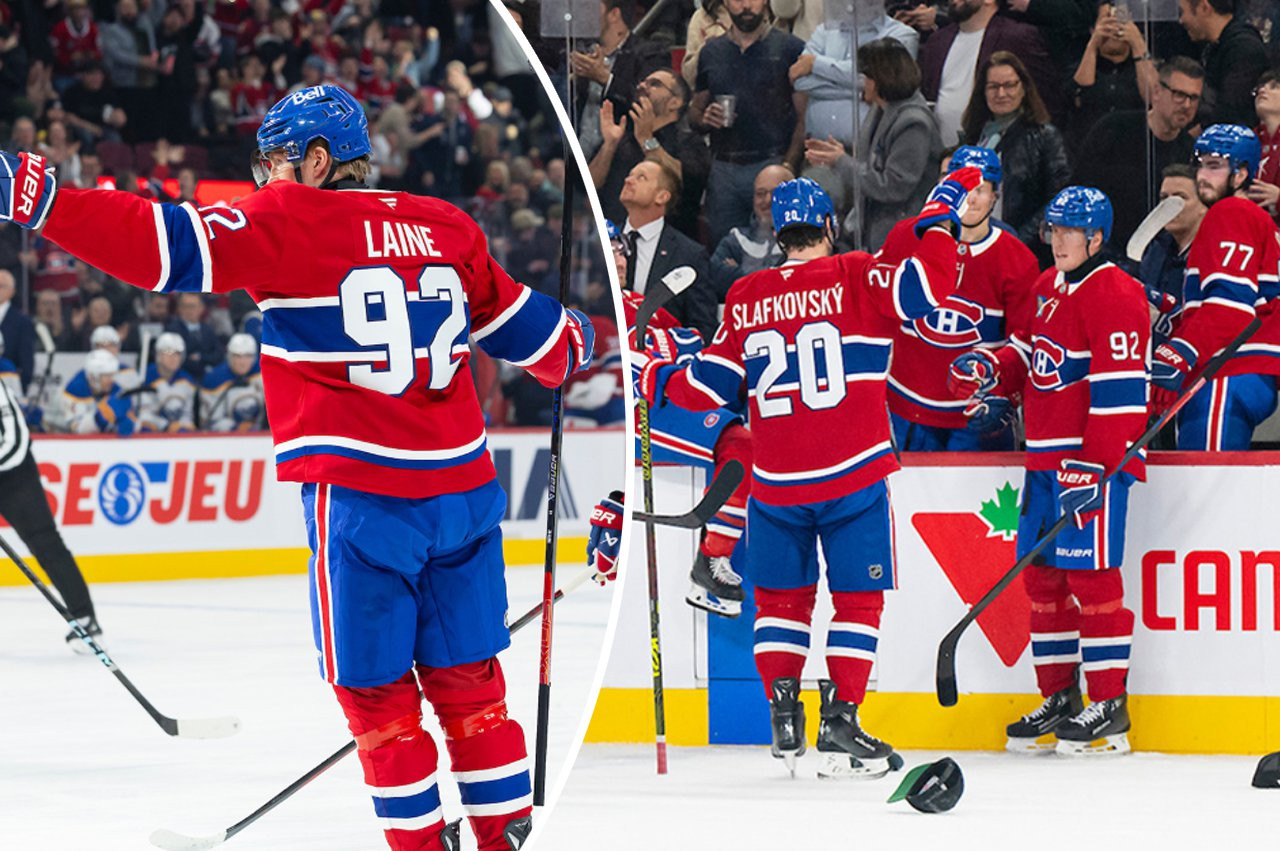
[(988, 412), (945, 204), (582, 340), (1172, 363), (973, 373), (27, 188), (1080, 490), (605, 538), (1164, 309), (653, 380)]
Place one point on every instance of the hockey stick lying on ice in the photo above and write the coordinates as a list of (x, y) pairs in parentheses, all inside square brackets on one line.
[(718, 493), (187, 728), (945, 677), (173, 841), (672, 284), (1161, 214)]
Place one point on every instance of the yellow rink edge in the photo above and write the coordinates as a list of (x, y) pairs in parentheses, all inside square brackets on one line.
[(1218, 724), (224, 564)]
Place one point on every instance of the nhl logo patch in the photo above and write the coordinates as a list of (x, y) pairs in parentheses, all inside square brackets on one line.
[(875, 571), (710, 420)]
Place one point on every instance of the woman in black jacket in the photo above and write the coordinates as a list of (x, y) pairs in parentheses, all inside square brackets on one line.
[(1005, 113)]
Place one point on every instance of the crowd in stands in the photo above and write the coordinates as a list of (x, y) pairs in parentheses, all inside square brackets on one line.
[(163, 97), (689, 122)]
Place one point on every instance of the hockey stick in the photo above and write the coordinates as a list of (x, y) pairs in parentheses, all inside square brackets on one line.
[(174, 841), (187, 728), (718, 493), (672, 284), (1161, 214), (553, 503), (945, 678)]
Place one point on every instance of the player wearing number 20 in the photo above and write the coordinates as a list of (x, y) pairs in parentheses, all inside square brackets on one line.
[(1082, 370), (368, 298), (811, 340), (1233, 274)]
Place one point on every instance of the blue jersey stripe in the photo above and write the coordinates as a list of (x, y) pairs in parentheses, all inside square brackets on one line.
[(525, 332), (781, 635), (722, 380), (855, 640), (814, 480), (182, 248), (411, 806), (320, 328), (1062, 647), (859, 359), (1108, 651), (496, 791), (1118, 393), (382, 460)]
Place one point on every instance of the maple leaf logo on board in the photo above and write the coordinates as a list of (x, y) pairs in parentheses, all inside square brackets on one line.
[(974, 549)]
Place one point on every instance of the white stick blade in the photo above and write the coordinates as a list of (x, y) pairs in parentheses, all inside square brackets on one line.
[(171, 841), (208, 728), (1161, 214), (679, 279)]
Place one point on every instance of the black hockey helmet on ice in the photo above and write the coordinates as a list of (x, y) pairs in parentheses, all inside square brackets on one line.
[(934, 787), (1267, 775)]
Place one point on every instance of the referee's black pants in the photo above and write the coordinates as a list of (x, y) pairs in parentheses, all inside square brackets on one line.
[(23, 505)]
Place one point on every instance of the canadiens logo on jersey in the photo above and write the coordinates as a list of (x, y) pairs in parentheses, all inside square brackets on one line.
[(956, 324), (1047, 359)]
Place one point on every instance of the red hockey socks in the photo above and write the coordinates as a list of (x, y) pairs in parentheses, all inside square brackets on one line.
[(852, 640), (486, 748), (724, 530), (1055, 627), (782, 631), (399, 761), (1106, 631)]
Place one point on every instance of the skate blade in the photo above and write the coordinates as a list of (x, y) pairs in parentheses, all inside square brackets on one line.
[(843, 766), (1032, 747), (701, 598), (1115, 745)]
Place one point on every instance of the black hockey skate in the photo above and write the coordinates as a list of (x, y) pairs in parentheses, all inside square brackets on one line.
[(716, 588), (89, 624), (787, 714), (1025, 733), (517, 831), (847, 750), (1102, 729), (451, 836)]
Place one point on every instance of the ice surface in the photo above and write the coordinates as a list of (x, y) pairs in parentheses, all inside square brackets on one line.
[(82, 766), (741, 798)]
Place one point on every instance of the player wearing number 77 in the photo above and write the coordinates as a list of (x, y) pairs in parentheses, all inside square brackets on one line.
[(1081, 368), (367, 298), (811, 340)]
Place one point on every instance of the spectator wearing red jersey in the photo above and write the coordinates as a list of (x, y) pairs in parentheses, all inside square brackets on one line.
[(75, 43), (252, 96), (1265, 188), (257, 22), (379, 90)]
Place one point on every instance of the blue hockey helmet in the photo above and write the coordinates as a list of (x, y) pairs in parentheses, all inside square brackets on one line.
[(321, 112), (615, 232), (1081, 207), (984, 159), (801, 202), (1236, 142)]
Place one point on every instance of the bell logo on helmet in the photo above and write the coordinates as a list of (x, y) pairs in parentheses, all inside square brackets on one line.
[(300, 98)]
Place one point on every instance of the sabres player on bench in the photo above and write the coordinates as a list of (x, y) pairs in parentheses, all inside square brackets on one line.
[(812, 342), (368, 298)]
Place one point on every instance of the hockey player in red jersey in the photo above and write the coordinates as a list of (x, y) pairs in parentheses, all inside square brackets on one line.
[(811, 341), (1081, 368), (368, 298), (992, 299), (1233, 274)]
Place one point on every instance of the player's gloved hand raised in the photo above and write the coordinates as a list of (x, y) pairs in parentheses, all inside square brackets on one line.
[(1080, 494), (973, 373), (990, 412), (582, 340), (27, 187), (945, 204), (605, 538), (1164, 309), (1172, 362), (654, 378)]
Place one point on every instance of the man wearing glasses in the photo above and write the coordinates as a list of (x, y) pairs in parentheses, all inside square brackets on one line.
[(1157, 137)]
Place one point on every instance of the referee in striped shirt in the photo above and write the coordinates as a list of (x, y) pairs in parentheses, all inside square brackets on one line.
[(23, 505)]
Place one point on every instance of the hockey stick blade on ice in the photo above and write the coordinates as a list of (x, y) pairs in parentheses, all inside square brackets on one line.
[(173, 841), (718, 493), (187, 728), (673, 283), (945, 674), (1161, 214)]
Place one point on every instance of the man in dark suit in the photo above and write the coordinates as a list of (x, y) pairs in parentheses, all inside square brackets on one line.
[(961, 47), (612, 68), (17, 329), (203, 349), (649, 191)]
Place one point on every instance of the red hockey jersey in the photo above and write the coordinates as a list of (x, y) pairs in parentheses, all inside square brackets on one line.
[(367, 300), (812, 342), (1233, 274), (1082, 367), (992, 299)]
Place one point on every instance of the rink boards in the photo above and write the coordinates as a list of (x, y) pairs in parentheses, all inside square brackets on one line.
[(1202, 575), (206, 506)]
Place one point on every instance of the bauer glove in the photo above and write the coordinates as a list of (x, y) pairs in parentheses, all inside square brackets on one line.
[(605, 538), (989, 412), (945, 204), (582, 340), (1171, 364), (27, 188), (653, 380), (1080, 490), (973, 373)]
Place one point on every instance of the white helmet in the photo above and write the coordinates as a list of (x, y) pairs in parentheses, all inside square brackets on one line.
[(170, 342), (100, 362), (242, 344), (104, 335)]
